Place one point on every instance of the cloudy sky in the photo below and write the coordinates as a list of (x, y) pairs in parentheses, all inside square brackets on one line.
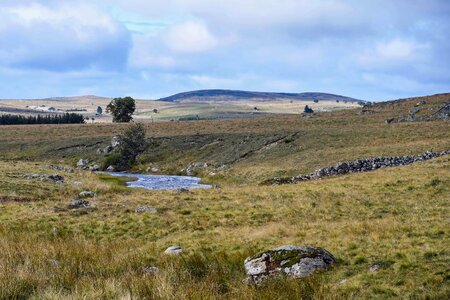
[(372, 50)]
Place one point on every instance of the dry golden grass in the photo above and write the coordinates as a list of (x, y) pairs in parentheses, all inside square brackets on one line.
[(395, 217)]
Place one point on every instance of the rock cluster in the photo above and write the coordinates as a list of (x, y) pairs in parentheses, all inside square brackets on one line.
[(291, 261), (360, 165), (84, 165), (55, 178)]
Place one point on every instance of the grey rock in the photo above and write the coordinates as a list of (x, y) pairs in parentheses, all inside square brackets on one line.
[(110, 169), (77, 183), (374, 268), (146, 209), (54, 263), (291, 261), (87, 194), (60, 168), (79, 203), (150, 271), (115, 142), (82, 164), (173, 250), (190, 170), (94, 168)]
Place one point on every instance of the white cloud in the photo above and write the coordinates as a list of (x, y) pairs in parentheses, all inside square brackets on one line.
[(63, 36), (393, 53), (190, 37)]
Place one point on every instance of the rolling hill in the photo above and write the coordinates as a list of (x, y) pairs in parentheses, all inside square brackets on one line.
[(233, 95)]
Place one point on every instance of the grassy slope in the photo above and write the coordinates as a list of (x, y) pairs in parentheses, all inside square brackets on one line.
[(397, 216)]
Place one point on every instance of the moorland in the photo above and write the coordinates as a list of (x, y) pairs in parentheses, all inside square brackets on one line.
[(396, 218)]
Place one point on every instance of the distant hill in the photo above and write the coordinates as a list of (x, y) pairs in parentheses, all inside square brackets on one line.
[(232, 95)]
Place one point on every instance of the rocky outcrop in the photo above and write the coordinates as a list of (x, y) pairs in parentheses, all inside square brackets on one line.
[(291, 261), (55, 178), (360, 165)]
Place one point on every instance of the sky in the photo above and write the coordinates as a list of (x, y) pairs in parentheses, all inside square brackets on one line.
[(370, 50)]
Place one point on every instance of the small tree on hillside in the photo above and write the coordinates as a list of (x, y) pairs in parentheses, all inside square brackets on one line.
[(308, 110), (99, 110), (132, 143), (122, 109)]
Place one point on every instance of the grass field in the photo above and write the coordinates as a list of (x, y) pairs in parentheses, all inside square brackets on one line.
[(167, 111), (395, 217)]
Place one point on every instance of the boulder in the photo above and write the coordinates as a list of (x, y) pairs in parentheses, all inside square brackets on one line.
[(146, 209), (115, 142), (87, 194), (153, 169), (94, 168), (82, 164), (79, 203), (173, 250), (110, 169), (291, 261)]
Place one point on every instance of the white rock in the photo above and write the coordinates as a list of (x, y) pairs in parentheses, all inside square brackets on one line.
[(173, 250)]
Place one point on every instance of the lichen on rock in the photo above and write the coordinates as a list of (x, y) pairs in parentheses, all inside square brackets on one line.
[(291, 261)]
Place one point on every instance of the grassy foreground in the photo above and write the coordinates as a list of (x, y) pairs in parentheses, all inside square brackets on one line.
[(394, 217)]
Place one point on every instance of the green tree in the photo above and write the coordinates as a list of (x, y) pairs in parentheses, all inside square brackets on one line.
[(308, 110), (122, 109), (99, 110), (132, 143)]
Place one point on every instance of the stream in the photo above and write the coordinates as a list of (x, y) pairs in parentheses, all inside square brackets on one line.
[(162, 182)]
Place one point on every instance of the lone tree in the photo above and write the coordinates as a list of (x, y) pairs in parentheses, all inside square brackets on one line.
[(308, 110), (132, 143), (99, 110), (121, 109)]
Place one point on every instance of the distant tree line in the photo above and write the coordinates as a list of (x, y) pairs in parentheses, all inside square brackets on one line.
[(68, 118)]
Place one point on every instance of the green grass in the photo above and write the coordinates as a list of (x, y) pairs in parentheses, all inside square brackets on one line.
[(396, 218)]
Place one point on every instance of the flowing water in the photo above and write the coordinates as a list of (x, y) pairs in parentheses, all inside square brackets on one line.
[(162, 182)]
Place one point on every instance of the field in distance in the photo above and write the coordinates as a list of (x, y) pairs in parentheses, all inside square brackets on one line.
[(192, 105)]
